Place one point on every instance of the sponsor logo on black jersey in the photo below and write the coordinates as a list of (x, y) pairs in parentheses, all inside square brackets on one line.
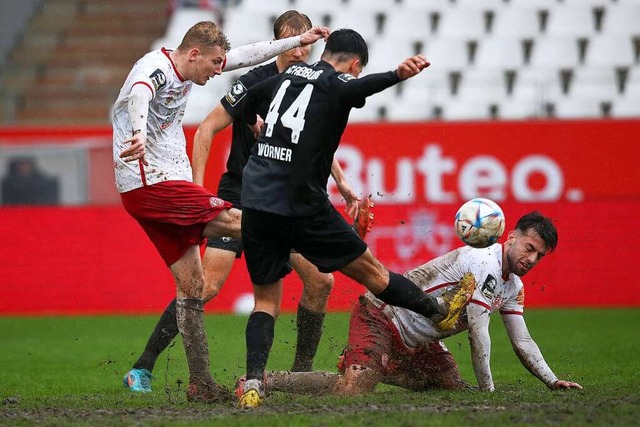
[(346, 77), (158, 79), (236, 93), (489, 287)]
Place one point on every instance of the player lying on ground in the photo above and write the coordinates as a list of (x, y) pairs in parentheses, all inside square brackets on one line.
[(399, 347), (221, 252)]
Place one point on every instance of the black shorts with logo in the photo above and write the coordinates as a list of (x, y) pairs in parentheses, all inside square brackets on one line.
[(229, 191), (326, 240)]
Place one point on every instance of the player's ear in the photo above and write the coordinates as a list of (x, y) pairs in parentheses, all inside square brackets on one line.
[(354, 67), (193, 54)]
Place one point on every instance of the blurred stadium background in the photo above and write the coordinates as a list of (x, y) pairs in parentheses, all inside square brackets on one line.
[(534, 103)]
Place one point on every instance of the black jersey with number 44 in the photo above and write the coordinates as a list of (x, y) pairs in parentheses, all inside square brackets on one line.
[(290, 163)]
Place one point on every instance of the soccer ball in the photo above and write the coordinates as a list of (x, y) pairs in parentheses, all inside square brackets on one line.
[(243, 304), (479, 222)]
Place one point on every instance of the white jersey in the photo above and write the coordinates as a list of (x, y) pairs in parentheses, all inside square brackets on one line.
[(492, 291), (166, 150)]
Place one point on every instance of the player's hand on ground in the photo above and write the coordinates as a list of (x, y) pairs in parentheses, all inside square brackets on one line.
[(563, 385), (137, 150), (412, 66), (314, 34)]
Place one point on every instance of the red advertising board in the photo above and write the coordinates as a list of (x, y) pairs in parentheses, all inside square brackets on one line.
[(96, 259)]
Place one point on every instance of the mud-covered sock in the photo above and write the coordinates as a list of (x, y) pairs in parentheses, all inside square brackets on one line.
[(190, 317), (402, 292), (165, 331), (259, 336), (309, 325)]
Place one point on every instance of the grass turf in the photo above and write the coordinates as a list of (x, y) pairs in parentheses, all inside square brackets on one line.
[(68, 371)]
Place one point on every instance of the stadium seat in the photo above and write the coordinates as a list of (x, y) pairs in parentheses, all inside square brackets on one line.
[(376, 6), (517, 21), (622, 19), (487, 4), (506, 58), (368, 113), (571, 21), (465, 23), (314, 6), (600, 85), (543, 84), (362, 20), (427, 6), (632, 84), (610, 51), (181, 20), (447, 54), (407, 24), (387, 53), (203, 99), (626, 107), (555, 52), (576, 107), (409, 112), (429, 87), (270, 6), (458, 108), (545, 4), (501, 53), (520, 108), (242, 27), (482, 84)]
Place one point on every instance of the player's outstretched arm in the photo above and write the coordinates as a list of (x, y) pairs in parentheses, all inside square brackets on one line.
[(529, 353), (214, 122), (480, 342), (255, 53), (412, 66)]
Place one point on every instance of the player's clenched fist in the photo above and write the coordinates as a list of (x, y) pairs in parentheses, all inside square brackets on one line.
[(412, 66), (314, 34)]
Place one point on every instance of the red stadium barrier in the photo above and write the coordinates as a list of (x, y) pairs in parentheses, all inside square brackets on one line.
[(87, 260)]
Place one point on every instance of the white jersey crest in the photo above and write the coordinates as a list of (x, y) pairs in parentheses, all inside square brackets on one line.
[(435, 277), (166, 144)]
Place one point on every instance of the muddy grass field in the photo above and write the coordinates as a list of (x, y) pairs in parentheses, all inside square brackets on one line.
[(68, 371)]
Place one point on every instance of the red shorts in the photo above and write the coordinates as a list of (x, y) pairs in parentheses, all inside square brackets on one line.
[(173, 214), (374, 342)]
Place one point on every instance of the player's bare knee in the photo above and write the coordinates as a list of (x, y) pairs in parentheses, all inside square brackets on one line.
[(210, 292), (357, 379), (226, 224), (319, 284)]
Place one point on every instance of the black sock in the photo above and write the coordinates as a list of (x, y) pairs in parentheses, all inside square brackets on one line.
[(165, 331), (309, 333), (402, 292), (259, 335)]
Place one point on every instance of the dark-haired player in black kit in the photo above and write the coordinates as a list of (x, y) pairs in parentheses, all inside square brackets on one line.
[(284, 196)]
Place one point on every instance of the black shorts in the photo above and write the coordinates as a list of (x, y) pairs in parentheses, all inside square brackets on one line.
[(326, 240), (228, 243)]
